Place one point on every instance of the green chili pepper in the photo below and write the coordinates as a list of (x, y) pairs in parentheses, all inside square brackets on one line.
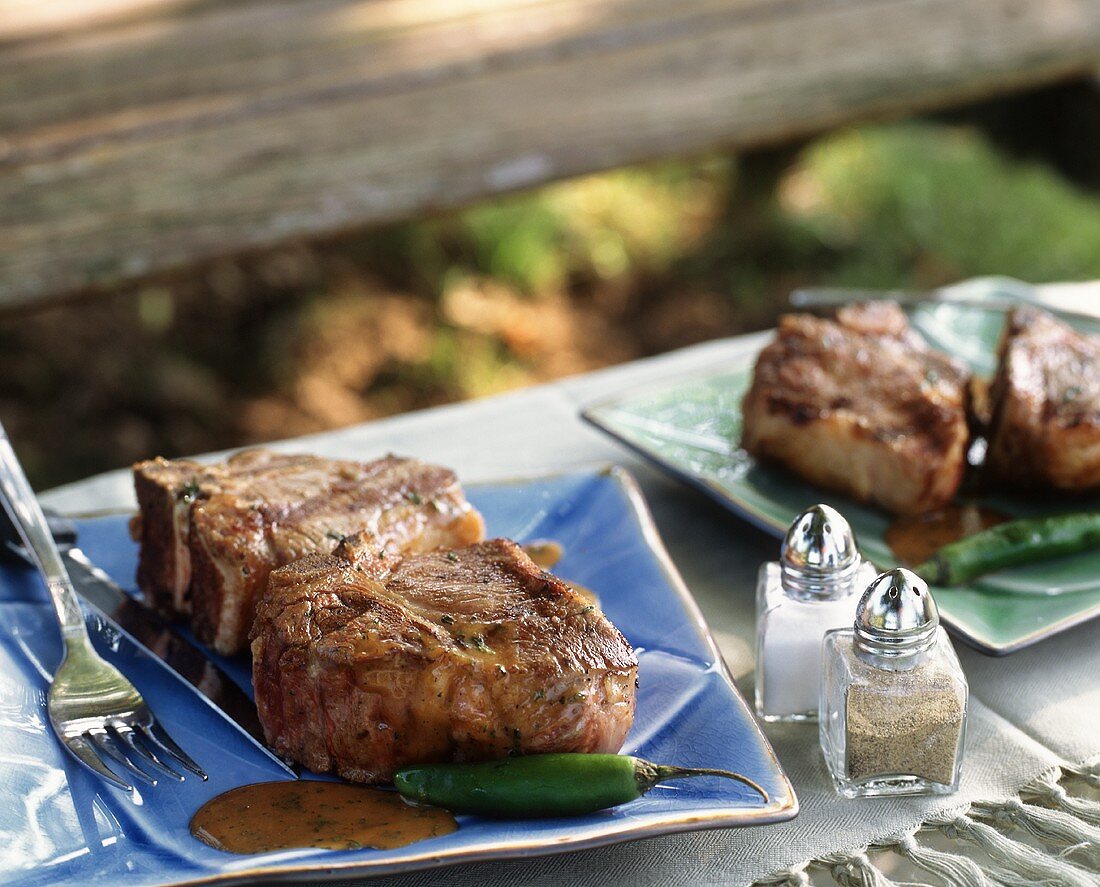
[(542, 785), (1011, 544)]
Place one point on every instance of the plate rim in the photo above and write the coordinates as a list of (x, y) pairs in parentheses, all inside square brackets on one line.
[(591, 413), (778, 809)]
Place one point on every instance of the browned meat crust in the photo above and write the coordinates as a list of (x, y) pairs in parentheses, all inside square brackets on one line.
[(861, 405), (211, 534), (1045, 430), (362, 665)]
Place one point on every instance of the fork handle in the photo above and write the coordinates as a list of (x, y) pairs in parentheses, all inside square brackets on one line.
[(21, 503)]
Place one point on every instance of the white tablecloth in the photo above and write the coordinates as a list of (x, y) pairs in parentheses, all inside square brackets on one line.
[(1029, 712)]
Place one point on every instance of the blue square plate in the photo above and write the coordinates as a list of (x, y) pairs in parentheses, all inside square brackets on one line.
[(62, 826)]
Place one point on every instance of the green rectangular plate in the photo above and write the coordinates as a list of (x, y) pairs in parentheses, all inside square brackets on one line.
[(690, 428)]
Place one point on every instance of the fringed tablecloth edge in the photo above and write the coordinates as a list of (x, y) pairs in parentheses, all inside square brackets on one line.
[(1067, 825)]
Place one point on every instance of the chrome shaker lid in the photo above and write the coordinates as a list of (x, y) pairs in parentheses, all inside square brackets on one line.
[(819, 551), (897, 615)]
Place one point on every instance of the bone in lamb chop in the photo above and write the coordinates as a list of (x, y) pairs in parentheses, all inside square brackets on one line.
[(861, 405), (1045, 428), (363, 664), (211, 534)]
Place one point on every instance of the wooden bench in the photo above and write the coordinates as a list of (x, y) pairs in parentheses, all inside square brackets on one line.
[(138, 136)]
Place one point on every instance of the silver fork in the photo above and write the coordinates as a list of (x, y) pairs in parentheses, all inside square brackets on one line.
[(97, 714)]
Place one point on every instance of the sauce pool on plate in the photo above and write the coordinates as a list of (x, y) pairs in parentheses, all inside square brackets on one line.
[(915, 539), (270, 816)]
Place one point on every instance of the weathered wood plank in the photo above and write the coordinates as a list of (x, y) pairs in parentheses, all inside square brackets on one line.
[(140, 135)]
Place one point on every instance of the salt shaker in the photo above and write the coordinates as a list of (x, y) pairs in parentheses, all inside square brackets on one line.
[(811, 588), (893, 695)]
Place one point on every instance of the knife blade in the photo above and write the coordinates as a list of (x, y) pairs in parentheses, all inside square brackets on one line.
[(147, 628)]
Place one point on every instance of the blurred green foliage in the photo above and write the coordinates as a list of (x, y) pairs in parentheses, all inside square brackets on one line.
[(912, 204), (610, 226), (892, 200), (625, 222)]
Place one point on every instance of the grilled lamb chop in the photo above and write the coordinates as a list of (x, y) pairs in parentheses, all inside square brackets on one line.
[(211, 534), (1045, 430), (861, 405), (362, 665)]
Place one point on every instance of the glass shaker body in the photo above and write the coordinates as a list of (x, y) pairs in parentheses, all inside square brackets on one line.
[(790, 627), (892, 726)]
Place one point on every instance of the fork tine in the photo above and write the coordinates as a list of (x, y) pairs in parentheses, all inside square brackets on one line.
[(106, 745), (138, 750), (83, 751), (159, 737)]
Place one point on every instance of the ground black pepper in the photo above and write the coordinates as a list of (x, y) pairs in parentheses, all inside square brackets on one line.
[(910, 726)]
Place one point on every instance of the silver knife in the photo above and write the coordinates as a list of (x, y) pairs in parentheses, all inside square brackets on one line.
[(150, 630)]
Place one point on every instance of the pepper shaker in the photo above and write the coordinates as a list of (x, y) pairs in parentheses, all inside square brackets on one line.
[(893, 695), (809, 590)]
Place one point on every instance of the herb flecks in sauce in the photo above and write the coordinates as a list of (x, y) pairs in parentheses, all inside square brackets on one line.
[(272, 816), (915, 539)]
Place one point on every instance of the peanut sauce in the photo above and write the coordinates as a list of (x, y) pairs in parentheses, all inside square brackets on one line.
[(915, 539), (271, 816)]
